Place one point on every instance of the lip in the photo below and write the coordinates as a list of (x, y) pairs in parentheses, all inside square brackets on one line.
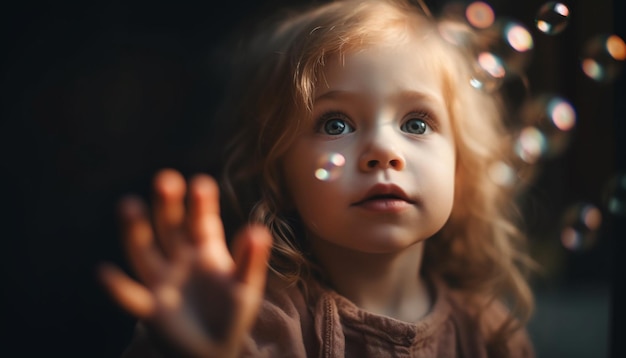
[(385, 197)]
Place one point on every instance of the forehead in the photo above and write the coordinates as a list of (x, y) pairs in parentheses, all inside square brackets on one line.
[(409, 66)]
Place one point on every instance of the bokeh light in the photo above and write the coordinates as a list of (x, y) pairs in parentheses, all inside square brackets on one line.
[(510, 41), (561, 113), (531, 144), (484, 82), (549, 121), (615, 195), (330, 166), (502, 174), (489, 72), (518, 37), (616, 47), (552, 18), (603, 57), (580, 226), (480, 15), (492, 64), (454, 32)]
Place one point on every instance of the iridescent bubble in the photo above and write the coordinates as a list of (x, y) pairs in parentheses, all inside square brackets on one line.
[(603, 57), (518, 37), (615, 195), (561, 114), (553, 117), (616, 47), (502, 174), (531, 144), (484, 82), (489, 72), (455, 33), (552, 18), (479, 15), (492, 64), (510, 41), (330, 166), (580, 226)]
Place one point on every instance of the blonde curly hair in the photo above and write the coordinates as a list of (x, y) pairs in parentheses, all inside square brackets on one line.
[(480, 249)]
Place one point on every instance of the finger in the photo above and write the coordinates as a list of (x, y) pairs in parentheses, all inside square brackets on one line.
[(169, 210), (129, 294), (251, 251), (137, 235), (205, 224)]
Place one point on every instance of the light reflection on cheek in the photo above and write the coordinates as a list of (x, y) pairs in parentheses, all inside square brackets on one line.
[(329, 166)]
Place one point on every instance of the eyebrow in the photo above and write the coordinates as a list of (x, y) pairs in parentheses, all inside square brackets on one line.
[(334, 94), (402, 95)]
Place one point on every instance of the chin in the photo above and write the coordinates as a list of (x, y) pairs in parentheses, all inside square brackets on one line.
[(387, 243)]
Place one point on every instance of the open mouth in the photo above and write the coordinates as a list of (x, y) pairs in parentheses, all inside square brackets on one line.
[(384, 203), (385, 197)]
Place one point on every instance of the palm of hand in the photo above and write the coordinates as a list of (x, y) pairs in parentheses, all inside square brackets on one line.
[(194, 296)]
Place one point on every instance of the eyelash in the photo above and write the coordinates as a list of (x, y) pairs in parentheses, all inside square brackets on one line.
[(324, 118), (423, 115)]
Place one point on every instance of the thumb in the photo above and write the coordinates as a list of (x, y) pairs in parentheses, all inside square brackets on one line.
[(251, 252)]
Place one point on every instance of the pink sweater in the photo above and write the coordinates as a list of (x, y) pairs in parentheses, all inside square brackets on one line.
[(322, 323)]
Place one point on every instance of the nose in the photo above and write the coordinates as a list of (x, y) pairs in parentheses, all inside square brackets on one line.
[(381, 153)]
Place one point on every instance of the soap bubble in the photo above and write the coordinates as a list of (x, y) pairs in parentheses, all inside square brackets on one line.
[(489, 72), (502, 174), (484, 82), (552, 18), (615, 195), (510, 41), (561, 114), (479, 15), (492, 64), (330, 166), (603, 57), (455, 33), (531, 144), (549, 121), (518, 37), (580, 226)]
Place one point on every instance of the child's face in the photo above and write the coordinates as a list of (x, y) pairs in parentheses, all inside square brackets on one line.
[(384, 112)]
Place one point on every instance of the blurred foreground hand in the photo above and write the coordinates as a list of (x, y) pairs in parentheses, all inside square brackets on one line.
[(192, 295)]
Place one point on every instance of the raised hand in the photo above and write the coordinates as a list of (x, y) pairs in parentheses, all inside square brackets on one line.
[(193, 295)]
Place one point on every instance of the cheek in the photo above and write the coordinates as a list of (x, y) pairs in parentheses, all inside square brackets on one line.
[(299, 169), (447, 191), (315, 199), (439, 185), (308, 192)]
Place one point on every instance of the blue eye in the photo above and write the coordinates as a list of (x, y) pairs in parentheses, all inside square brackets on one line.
[(416, 126), (334, 124)]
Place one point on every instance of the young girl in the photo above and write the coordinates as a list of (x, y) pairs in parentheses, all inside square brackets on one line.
[(411, 249)]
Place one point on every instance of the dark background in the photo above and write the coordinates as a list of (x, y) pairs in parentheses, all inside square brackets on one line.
[(97, 96)]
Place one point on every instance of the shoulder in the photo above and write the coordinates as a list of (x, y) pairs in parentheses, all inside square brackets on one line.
[(512, 342), (285, 323), (492, 324), (284, 303)]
